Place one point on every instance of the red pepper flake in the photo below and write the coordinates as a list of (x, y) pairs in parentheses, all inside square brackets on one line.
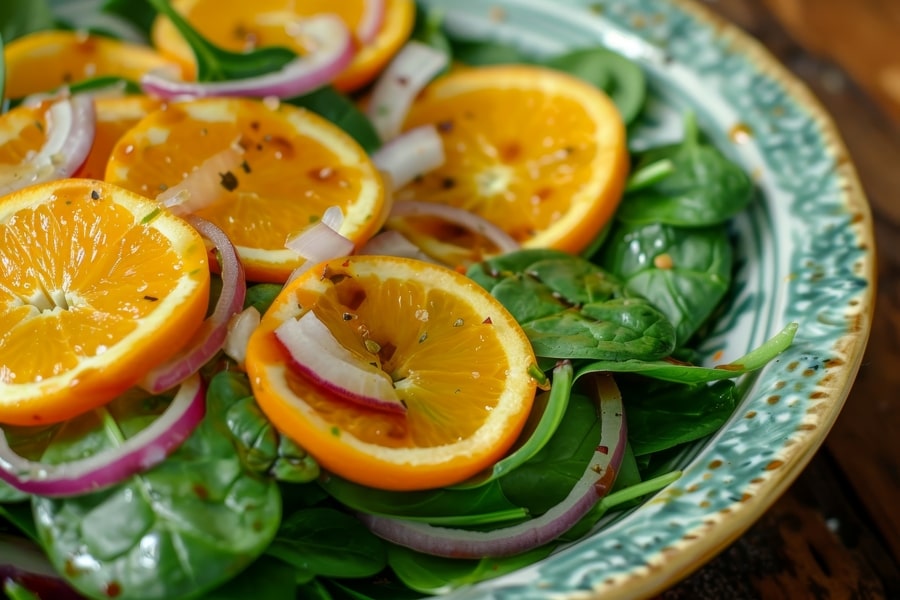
[(151, 298), (603, 449), (487, 321), (113, 589)]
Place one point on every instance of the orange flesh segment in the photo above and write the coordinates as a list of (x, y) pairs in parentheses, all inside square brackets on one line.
[(46, 60), (90, 297), (115, 116), (240, 26), (295, 166), (458, 360), (536, 152)]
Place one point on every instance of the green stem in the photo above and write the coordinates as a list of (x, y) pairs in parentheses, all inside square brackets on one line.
[(649, 175), (218, 64)]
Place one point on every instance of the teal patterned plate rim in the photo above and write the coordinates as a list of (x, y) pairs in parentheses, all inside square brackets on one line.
[(807, 255)]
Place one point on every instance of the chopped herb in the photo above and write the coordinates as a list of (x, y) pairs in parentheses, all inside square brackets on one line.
[(150, 216)]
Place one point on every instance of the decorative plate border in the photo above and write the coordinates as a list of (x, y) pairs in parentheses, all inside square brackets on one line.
[(811, 236)]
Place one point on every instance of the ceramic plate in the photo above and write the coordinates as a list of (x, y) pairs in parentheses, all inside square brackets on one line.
[(805, 253)]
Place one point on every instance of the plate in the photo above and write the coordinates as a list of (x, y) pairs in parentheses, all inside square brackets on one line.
[(806, 252)]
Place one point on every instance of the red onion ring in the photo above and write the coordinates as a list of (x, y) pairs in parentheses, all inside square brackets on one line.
[(203, 185), (25, 563), (319, 356), (395, 89), (240, 328), (371, 21), (595, 483), (146, 449), (394, 243), (320, 241), (71, 124), (334, 50), (410, 154), (457, 216), (210, 338)]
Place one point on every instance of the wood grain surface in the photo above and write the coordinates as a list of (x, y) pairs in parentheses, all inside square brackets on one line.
[(835, 533)]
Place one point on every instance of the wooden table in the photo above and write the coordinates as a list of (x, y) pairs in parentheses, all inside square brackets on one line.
[(836, 533)]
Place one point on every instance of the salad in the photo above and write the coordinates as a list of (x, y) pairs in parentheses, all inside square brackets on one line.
[(475, 335)]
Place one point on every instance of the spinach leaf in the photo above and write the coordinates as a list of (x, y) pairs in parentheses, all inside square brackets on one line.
[(451, 507), (18, 514), (687, 373), (492, 271), (9, 494), (570, 308), (15, 591), (21, 17), (217, 64), (331, 104), (428, 29), (684, 272), (261, 296), (327, 542), (703, 188), (436, 575), (382, 587), (662, 415), (618, 329), (548, 477), (137, 12), (482, 53), (185, 526), (266, 579), (623, 80), (260, 446), (546, 414)]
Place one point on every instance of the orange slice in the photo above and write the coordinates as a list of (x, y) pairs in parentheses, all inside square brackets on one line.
[(239, 26), (45, 60), (459, 362), (97, 285), (539, 153), (295, 165), (115, 116)]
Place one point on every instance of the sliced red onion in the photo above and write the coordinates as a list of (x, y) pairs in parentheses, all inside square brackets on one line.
[(595, 483), (457, 216), (333, 50), (240, 328), (410, 154), (204, 184), (319, 356), (320, 241), (371, 21), (393, 93), (71, 124), (394, 243), (144, 450), (25, 563), (210, 338)]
